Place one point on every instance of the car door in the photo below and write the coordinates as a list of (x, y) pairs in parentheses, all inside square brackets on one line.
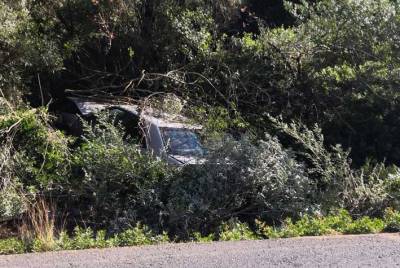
[(130, 124)]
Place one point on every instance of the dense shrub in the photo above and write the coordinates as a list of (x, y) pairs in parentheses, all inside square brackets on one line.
[(338, 185), (242, 180), (12, 201), (392, 220), (117, 184), (41, 152), (35, 158), (393, 188)]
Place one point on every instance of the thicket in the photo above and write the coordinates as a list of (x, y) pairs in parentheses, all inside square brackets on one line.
[(320, 77), (110, 183), (329, 62)]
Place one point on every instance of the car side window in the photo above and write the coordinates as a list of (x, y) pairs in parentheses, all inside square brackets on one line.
[(130, 124)]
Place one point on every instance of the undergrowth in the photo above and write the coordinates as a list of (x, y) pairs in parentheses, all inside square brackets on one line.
[(84, 238)]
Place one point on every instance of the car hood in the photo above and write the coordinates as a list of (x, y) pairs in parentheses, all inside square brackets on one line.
[(185, 160)]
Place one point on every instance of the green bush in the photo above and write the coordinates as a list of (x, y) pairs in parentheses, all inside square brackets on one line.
[(393, 189), (140, 235), (12, 199), (312, 226), (337, 184), (64, 242), (365, 225), (86, 238), (35, 159), (392, 220), (339, 221), (197, 237), (12, 246), (234, 230), (336, 223), (103, 242), (242, 180), (83, 238), (41, 154), (116, 183)]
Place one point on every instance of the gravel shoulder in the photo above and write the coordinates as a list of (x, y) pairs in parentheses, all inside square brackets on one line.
[(382, 250)]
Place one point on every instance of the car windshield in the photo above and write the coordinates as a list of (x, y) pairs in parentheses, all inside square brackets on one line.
[(183, 142)]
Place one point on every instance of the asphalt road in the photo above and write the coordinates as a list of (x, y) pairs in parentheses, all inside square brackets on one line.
[(381, 250)]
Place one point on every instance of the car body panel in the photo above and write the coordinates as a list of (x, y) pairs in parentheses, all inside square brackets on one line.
[(151, 126)]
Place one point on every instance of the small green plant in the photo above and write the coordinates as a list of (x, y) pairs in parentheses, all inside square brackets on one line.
[(140, 235), (312, 226), (197, 237), (289, 229), (83, 238), (264, 230), (365, 225), (102, 241), (64, 242), (12, 246), (337, 223), (392, 220), (234, 231)]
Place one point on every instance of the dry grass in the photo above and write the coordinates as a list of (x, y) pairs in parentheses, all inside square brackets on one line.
[(38, 227)]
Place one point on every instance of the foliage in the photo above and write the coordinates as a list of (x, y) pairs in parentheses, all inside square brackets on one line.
[(140, 235), (366, 225), (392, 185), (235, 231), (392, 220), (241, 179), (344, 50), (203, 239), (83, 238), (11, 246), (40, 154), (329, 69), (117, 183), (339, 222), (337, 183), (25, 50), (12, 201), (335, 63)]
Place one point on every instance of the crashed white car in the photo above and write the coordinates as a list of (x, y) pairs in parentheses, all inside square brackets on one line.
[(168, 137)]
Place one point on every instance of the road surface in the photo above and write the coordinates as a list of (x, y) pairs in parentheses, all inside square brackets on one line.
[(381, 250)]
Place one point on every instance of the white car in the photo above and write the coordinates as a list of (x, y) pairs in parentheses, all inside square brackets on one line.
[(165, 136)]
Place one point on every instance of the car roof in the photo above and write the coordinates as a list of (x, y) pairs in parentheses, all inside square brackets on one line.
[(160, 119)]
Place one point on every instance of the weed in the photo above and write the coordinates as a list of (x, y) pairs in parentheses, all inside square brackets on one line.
[(83, 238), (199, 238), (365, 225), (392, 220), (235, 231), (139, 235), (12, 246)]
